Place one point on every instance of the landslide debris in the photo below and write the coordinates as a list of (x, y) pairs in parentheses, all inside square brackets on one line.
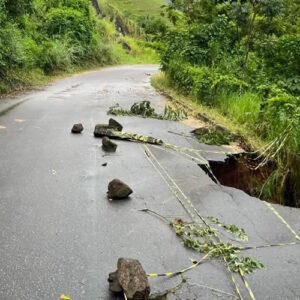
[(108, 145), (118, 190), (129, 278), (77, 128)]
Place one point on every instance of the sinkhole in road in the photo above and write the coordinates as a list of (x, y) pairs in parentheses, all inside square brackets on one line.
[(239, 171)]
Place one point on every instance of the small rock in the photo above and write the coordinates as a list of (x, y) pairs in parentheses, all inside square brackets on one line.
[(131, 278), (77, 128), (108, 145), (115, 124), (118, 190), (104, 165)]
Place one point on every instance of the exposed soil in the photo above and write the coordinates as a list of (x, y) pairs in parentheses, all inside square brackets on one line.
[(239, 172)]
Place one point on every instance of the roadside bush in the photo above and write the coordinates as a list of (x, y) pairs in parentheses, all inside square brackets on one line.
[(12, 49), (101, 51), (203, 82), (71, 24), (57, 56)]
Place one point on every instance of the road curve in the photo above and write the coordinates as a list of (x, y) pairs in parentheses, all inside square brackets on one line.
[(59, 233)]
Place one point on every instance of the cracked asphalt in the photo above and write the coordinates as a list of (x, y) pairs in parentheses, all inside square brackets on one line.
[(59, 233)]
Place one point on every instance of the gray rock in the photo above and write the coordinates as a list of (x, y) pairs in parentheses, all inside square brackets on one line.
[(131, 278), (77, 128), (118, 190), (107, 129), (115, 124), (108, 145)]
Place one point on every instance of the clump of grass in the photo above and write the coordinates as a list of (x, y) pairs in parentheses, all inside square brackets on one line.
[(145, 110), (137, 8), (243, 108), (213, 136)]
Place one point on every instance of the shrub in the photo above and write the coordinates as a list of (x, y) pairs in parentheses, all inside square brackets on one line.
[(56, 55), (71, 23), (101, 51), (12, 50)]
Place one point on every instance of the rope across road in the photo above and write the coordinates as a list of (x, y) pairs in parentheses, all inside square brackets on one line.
[(194, 214)]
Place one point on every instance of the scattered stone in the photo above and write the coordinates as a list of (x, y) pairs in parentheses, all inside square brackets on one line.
[(115, 124), (102, 130), (118, 190), (130, 278), (108, 145), (77, 128), (106, 129)]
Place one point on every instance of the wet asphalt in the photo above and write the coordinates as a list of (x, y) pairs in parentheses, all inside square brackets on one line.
[(59, 233)]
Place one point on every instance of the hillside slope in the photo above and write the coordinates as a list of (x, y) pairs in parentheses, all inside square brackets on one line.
[(137, 8)]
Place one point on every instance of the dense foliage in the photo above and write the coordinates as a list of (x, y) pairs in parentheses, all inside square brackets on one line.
[(48, 36), (243, 57)]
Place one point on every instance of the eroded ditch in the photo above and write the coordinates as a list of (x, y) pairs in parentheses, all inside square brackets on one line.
[(239, 171)]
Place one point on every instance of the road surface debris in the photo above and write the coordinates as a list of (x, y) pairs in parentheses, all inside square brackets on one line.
[(77, 128), (118, 190), (108, 145), (130, 278)]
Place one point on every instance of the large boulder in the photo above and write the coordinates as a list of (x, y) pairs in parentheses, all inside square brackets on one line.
[(130, 278), (77, 128), (118, 190)]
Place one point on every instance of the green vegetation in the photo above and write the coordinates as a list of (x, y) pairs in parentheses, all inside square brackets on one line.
[(213, 136), (138, 8), (145, 110), (205, 239), (240, 61), (40, 40)]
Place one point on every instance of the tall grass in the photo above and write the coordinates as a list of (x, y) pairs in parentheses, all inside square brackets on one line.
[(243, 108), (275, 137)]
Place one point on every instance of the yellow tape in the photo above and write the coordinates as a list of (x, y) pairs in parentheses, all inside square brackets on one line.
[(146, 139), (168, 274), (172, 188), (268, 245), (246, 284), (282, 219), (176, 186), (233, 280), (149, 153)]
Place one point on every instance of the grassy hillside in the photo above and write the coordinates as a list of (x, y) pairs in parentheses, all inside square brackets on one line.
[(138, 8)]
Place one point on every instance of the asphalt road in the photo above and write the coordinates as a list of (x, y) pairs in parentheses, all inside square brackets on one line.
[(59, 233)]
